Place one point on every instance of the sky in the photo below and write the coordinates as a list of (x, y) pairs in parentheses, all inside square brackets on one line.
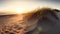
[(20, 6)]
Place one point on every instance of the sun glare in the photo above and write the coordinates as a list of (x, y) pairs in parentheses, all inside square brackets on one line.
[(20, 10), (19, 7)]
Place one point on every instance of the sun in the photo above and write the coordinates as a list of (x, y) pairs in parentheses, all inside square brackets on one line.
[(20, 10)]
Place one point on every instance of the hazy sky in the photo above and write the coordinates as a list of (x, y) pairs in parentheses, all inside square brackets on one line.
[(27, 5), (49, 3)]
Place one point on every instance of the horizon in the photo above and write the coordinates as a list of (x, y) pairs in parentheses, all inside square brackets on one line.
[(20, 6)]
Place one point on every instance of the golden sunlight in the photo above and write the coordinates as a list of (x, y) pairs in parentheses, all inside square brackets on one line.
[(19, 7)]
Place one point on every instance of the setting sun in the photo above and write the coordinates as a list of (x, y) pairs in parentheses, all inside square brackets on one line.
[(18, 7)]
